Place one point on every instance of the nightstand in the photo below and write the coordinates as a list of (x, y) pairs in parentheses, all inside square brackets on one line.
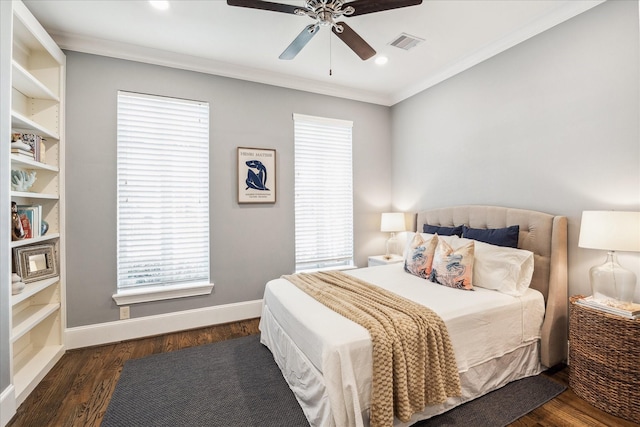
[(381, 260), (604, 360)]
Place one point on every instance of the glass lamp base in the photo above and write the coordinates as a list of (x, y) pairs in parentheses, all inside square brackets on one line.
[(392, 244), (611, 281)]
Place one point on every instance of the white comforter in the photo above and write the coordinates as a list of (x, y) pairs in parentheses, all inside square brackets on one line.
[(483, 325)]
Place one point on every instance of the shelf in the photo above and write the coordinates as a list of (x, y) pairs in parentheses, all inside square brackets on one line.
[(32, 164), (31, 317), (31, 289), (29, 195), (32, 37), (28, 85), (36, 363), (35, 66), (18, 121), (31, 241)]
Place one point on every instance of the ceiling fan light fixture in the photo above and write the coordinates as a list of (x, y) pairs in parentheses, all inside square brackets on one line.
[(325, 18), (327, 13)]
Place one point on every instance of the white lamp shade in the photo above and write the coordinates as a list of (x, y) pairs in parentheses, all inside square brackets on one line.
[(392, 222), (610, 230)]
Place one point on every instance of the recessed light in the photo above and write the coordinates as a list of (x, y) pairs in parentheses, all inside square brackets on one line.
[(381, 60), (160, 4)]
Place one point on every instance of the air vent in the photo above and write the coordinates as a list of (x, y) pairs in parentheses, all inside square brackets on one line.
[(406, 41)]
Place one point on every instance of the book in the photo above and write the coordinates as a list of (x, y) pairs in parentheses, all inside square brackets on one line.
[(630, 310), (36, 150), (41, 155), (33, 215), (23, 155), (26, 225), (34, 142), (21, 151)]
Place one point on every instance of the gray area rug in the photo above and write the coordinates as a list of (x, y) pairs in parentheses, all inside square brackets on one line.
[(237, 383), (500, 407), (230, 383)]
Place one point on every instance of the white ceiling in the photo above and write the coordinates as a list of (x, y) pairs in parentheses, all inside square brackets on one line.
[(210, 36)]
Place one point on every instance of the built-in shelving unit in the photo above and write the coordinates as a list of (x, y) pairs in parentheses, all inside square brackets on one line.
[(37, 107)]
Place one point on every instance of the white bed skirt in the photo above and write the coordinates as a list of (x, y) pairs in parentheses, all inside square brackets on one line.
[(307, 382)]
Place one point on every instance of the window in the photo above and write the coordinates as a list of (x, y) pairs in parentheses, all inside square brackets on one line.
[(323, 193), (163, 198)]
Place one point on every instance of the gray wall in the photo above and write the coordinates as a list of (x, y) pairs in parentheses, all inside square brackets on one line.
[(250, 244), (551, 124)]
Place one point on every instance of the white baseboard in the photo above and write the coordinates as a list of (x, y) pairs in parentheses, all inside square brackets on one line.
[(7, 405), (140, 327)]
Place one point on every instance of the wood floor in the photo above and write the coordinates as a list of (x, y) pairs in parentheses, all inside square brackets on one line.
[(77, 390)]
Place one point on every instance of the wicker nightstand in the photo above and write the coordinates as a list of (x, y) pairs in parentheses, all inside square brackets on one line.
[(604, 360)]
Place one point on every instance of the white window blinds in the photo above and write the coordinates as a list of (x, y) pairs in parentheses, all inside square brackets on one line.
[(323, 193), (163, 191)]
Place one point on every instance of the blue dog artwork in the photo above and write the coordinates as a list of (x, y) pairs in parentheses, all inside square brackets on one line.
[(256, 179)]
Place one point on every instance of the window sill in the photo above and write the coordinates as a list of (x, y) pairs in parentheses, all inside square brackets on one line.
[(157, 293), (335, 268)]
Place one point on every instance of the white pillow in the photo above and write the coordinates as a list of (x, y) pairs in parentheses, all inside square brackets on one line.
[(506, 270)]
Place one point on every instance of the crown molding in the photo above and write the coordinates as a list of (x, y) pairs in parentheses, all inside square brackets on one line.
[(165, 58), (567, 10)]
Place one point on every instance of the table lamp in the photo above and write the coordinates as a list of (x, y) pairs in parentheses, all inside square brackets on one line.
[(611, 231), (392, 223)]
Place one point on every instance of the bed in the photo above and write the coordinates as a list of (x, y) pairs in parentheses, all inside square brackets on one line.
[(327, 358)]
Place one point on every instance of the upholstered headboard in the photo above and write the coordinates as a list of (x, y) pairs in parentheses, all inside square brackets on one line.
[(543, 234)]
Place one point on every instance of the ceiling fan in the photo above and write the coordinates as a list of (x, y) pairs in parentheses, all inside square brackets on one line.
[(325, 13)]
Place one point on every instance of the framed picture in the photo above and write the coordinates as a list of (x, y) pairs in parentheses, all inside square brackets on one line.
[(256, 175), (35, 262)]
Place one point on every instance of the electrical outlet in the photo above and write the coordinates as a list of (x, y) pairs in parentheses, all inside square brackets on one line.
[(124, 312)]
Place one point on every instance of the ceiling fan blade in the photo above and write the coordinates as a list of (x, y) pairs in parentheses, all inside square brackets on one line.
[(301, 41), (264, 5), (354, 41), (371, 6)]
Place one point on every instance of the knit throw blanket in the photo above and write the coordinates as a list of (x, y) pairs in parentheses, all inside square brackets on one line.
[(413, 361)]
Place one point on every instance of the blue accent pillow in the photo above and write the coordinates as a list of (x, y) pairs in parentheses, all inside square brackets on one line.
[(507, 237), (442, 231)]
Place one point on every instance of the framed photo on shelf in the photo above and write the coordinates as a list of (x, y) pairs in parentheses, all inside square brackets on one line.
[(256, 175), (34, 263)]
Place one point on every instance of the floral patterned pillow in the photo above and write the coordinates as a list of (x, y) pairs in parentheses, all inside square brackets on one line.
[(453, 268), (419, 257)]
